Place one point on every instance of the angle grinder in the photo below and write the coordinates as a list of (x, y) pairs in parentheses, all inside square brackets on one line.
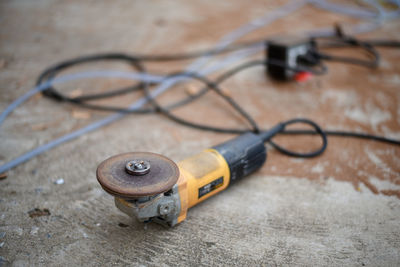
[(151, 187)]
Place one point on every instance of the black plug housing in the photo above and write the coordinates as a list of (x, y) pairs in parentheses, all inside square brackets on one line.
[(288, 52)]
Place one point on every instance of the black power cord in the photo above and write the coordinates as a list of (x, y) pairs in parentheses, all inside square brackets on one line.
[(136, 62), (50, 73), (345, 134)]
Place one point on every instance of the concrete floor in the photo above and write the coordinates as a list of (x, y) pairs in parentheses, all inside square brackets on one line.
[(342, 208)]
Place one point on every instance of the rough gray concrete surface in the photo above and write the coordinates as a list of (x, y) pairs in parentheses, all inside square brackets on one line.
[(341, 209)]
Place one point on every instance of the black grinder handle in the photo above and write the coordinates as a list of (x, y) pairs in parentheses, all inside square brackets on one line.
[(244, 154)]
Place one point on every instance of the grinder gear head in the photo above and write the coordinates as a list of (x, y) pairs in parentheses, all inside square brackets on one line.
[(139, 174)]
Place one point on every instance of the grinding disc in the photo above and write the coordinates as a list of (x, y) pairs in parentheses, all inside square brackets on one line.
[(115, 177)]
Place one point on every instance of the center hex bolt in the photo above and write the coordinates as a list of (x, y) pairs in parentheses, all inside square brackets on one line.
[(137, 167)]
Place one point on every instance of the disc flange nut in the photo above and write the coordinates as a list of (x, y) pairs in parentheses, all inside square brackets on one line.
[(137, 167)]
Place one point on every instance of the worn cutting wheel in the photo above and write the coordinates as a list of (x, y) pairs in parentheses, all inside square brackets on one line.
[(137, 174)]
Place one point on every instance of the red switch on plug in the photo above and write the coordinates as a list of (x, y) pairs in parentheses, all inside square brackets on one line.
[(302, 76)]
